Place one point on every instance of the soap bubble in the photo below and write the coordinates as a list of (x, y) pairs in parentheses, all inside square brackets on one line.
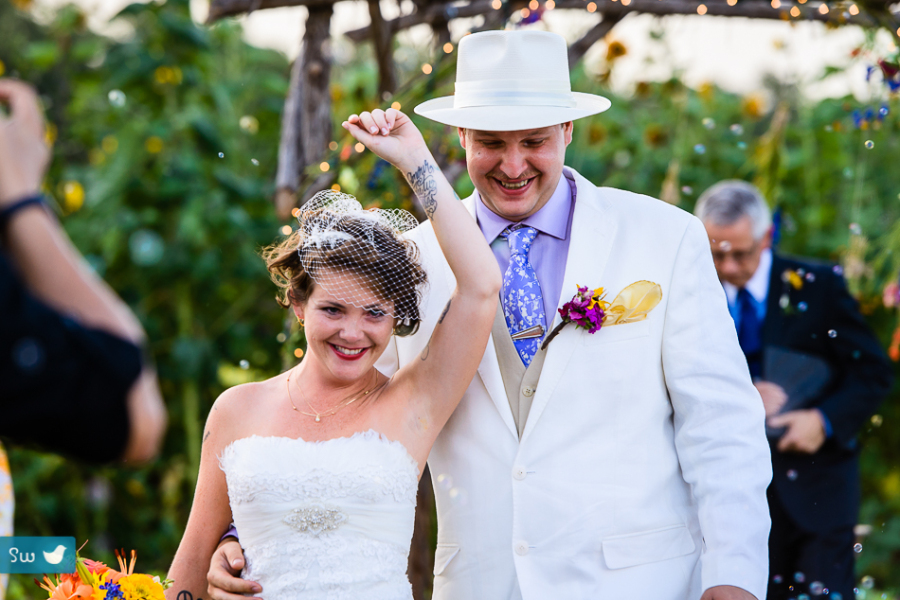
[(687, 190), (700, 149), (855, 229), (883, 111), (802, 306), (877, 420), (792, 475), (116, 98), (816, 588), (870, 144), (799, 577), (221, 155), (282, 338), (810, 277), (458, 496), (868, 582), (838, 269), (857, 547), (146, 247), (255, 162), (832, 333), (245, 364), (777, 579), (803, 597), (444, 481), (742, 145), (737, 129), (709, 123)]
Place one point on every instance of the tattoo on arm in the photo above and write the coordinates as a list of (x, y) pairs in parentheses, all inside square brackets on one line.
[(186, 595), (206, 435), (444, 314), (425, 187), (427, 350)]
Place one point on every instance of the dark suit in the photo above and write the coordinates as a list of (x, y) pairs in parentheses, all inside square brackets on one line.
[(814, 499)]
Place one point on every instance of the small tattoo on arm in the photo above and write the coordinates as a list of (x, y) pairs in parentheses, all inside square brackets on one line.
[(425, 187), (444, 314), (204, 439), (186, 595)]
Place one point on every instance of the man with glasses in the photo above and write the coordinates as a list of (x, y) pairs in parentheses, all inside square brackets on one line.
[(795, 317)]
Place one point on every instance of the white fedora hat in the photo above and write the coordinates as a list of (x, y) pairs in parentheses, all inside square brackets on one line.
[(512, 80)]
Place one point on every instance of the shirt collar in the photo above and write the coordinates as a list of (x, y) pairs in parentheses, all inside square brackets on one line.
[(758, 286), (552, 218)]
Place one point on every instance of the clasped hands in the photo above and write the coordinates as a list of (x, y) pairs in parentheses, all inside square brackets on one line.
[(805, 428)]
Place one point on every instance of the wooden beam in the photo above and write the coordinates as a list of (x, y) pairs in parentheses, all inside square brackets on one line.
[(754, 9), (219, 9)]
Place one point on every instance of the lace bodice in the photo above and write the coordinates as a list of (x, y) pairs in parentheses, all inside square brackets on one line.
[(328, 520)]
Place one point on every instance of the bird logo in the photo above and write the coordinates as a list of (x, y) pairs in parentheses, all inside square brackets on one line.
[(55, 557)]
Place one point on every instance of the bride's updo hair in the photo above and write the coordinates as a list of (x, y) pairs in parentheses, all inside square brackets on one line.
[(334, 241)]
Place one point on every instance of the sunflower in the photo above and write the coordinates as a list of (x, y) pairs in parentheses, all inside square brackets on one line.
[(138, 586)]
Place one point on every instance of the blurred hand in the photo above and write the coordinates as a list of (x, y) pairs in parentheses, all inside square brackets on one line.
[(773, 396), (391, 135), (727, 592), (805, 430), (224, 576), (24, 155)]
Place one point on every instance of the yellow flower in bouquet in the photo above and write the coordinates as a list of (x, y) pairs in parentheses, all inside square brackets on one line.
[(95, 581)]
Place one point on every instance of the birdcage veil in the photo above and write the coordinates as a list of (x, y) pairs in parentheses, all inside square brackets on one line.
[(358, 256)]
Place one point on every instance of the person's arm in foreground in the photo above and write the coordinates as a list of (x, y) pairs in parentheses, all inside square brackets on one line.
[(437, 382), (719, 426), (51, 268)]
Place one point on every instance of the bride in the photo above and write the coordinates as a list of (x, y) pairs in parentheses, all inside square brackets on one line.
[(318, 467)]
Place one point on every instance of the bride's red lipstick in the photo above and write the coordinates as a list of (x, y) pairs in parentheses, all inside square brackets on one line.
[(350, 357)]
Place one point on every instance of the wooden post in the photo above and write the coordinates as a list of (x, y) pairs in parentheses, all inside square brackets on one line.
[(306, 120), (383, 40)]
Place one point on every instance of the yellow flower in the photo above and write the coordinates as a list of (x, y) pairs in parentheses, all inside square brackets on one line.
[(597, 298), (73, 195), (141, 587), (793, 278)]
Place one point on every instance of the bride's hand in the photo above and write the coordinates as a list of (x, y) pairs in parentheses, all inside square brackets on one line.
[(391, 135)]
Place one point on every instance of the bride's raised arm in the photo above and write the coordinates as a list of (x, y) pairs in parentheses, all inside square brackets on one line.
[(449, 362)]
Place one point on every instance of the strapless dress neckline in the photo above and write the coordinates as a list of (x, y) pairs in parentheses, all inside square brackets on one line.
[(326, 519)]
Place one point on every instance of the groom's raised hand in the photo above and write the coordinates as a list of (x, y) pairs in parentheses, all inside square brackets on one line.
[(727, 592), (224, 576)]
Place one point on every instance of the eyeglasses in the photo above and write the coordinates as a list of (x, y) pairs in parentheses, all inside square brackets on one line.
[(739, 256)]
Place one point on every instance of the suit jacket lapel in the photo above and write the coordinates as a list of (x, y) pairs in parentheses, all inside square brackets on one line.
[(592, 236), (489, 368), (774, 321)]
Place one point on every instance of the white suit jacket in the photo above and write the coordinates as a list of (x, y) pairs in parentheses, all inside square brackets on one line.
[(643, 466)]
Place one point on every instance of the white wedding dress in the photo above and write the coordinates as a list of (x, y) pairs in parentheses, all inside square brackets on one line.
[(329, 520)]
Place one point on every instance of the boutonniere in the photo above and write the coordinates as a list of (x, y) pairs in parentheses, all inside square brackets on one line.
[(793, 279), (589, 310)]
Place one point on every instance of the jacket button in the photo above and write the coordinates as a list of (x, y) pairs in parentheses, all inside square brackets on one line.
[(519, 473), (528, 391), (521, 548)]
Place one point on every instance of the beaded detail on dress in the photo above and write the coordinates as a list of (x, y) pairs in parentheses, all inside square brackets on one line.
[(329, 520)]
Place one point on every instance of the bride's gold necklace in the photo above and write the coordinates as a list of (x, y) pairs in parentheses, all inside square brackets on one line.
[(316, 414)]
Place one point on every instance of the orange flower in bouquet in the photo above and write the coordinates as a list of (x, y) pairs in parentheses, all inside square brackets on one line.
[(94, 580)]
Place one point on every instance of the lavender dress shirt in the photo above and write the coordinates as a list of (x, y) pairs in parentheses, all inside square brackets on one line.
[(551, 246)]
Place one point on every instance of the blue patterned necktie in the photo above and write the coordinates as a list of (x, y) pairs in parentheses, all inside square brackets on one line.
[(750, 332), (523, 303)]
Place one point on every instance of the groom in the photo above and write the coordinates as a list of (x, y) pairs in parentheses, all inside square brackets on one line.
[(627, 463)]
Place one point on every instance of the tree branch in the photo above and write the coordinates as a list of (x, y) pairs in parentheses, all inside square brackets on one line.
[(597, 33), (219, 9)]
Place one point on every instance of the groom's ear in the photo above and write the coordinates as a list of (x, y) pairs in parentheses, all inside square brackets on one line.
[(462, 136)]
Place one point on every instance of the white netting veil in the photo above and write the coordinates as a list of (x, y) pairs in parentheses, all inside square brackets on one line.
[(359, 257)]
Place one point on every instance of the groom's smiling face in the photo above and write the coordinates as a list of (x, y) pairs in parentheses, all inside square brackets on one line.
[(516, 172)]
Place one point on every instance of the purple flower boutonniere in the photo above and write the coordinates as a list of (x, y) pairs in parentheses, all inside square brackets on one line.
[(589, 310)]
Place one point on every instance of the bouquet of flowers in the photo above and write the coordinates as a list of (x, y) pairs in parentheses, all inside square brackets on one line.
[(93, 580)]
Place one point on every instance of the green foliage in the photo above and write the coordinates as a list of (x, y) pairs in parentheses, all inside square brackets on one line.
[(165, 157)]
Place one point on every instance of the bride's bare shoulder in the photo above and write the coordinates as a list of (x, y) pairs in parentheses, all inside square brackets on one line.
[(242, 405)]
